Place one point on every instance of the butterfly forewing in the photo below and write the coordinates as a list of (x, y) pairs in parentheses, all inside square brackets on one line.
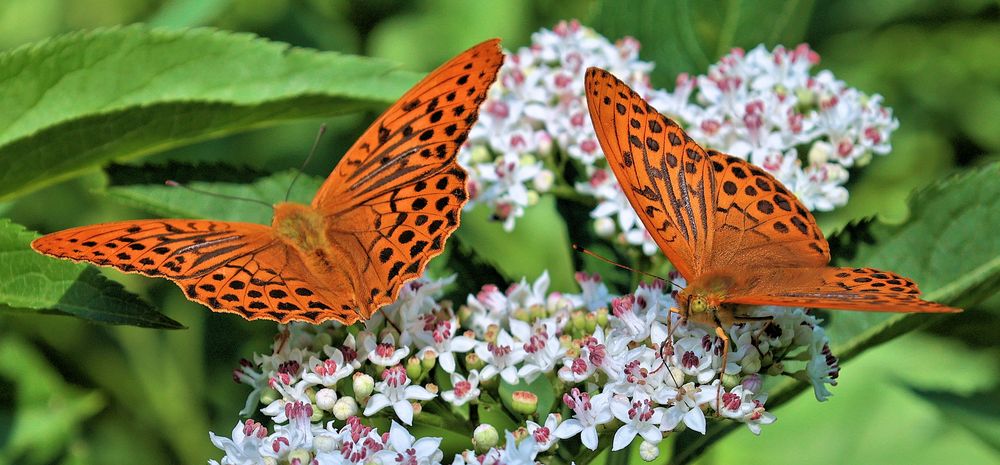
[(239, 268), (397, 194), (662, 172)]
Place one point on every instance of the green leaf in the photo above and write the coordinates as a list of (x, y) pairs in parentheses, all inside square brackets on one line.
[(49, 412), (979, 413), (31, 281), (685, 37), (175, 202), (947, 246), (539, 242), (80, 100)]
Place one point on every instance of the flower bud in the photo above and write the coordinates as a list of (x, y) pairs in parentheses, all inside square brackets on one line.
[(806, 99), (428, 360), (604, 227), (602, 317), (543, 181), (537, 312), (301, 455), (473, 362), (325, 399), (533, 198), (322, 340), (464, 313), (819, 153), (648, 451), (414, 368), (521, 314), (751, 362), (752, 383), (863, 159), (325, 443), (491, 333), (484, 437), (776, 369), (269, 395), (346, 407), (524, 402), (576, 320), (729, 381), (317, 415), (589, 322), (363, 385), (480, 154)]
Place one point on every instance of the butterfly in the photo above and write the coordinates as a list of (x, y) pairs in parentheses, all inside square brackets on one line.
[(386, 209), (735, 233)]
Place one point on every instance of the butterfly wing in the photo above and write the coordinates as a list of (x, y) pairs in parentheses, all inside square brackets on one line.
[(865, 289), (662, 172), (240, 268), (396, 195), (690, 199)]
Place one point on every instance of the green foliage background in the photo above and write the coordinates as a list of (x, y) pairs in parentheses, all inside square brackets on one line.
[(79, 144)]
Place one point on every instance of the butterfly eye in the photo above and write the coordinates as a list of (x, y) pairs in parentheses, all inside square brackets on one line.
[(698, 304)]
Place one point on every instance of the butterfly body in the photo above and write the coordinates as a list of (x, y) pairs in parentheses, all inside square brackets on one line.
[(382, 214)]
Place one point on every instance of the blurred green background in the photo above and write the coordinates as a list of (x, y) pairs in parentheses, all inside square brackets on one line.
[(75, 392)]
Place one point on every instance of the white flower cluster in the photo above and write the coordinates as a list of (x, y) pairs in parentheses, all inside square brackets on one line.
[(624, 362), (537, 106), (762, 106)]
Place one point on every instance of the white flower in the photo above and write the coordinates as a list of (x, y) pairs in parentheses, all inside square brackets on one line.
[(694, 355), (394, 390), (297, 434), (385, 353), (244, 447), (501, 357), (588, 413), (403, 448), (640, 418), (544, 434), (522, 453), (463, 389), (823, 367), (542, 349), (686, 402), (439, 337), (328, 372)]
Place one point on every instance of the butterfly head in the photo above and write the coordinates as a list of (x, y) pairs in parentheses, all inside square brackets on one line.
[(702, 301)]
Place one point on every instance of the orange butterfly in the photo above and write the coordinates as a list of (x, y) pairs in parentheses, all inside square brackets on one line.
[(386, 209), (734, 233)]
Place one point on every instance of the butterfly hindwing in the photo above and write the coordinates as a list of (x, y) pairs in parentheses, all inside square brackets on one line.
[(865, 289), (397, 194), (756, 218)]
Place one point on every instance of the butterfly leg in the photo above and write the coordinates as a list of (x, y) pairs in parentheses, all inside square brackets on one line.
[(719, 331)]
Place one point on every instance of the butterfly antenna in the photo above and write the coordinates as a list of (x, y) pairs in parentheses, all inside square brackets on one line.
[(619, 265), (173, 183), (319, 135)]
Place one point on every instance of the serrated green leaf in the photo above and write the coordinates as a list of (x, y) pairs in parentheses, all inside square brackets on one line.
[(947, 246), (685, 37), (29, 280), (76, 101)]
